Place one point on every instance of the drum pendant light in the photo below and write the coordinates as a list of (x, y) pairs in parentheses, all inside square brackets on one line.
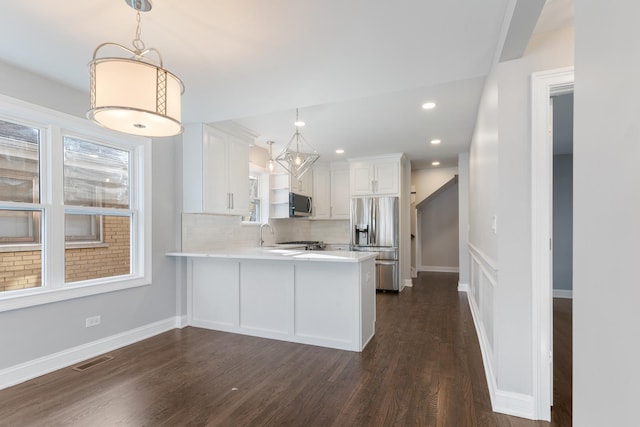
[(135, 95)]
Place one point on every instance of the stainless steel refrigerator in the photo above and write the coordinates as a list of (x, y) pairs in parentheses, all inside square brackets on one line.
[(374, 227)]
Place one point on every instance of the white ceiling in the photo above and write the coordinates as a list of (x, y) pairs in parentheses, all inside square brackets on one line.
[(358, 70)]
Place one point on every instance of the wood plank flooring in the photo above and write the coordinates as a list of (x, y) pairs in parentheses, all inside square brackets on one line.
[(423, 368)]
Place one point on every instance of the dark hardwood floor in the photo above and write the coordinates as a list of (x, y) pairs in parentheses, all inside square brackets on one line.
[(423, 368)]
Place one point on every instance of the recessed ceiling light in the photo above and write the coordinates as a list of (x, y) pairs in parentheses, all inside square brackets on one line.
[(435, 141), (436, 163), (339, 151), (429, 105)]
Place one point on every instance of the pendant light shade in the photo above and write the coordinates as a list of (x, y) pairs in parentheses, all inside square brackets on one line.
[(135, 95)]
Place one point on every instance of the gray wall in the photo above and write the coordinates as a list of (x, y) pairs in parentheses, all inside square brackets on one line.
[(606, 226), (563, 221), (439, 229), (34, 332)]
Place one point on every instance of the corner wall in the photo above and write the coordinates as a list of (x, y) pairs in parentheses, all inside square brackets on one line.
[(500, 221)]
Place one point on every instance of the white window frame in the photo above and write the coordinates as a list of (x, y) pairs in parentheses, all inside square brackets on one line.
[(54, 126)]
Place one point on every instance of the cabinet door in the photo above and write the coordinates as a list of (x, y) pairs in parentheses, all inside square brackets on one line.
[(238, 177), (321, 193), (215, 197), (386, 177), (302, 186), (361, 178), (340, 194)]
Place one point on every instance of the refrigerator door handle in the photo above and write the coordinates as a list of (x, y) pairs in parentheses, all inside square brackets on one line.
[(374, 223)]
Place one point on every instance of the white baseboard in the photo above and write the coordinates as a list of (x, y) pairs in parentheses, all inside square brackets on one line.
[(44, 365), (516, 404), (463, 287), (505, 402), (408, 283), (563, 293), (439, 269), (414, 272), (182, 322)]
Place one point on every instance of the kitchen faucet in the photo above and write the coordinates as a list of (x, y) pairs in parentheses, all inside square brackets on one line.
[(261, 227)]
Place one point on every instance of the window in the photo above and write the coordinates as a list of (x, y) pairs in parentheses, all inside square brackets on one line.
[(258, 195), (64, 184), (254, 199)]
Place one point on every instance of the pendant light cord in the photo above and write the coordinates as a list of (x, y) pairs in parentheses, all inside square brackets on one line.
[(138, 44)]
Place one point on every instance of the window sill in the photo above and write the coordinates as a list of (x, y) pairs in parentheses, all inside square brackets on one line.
[(30, 247), (39, 296)]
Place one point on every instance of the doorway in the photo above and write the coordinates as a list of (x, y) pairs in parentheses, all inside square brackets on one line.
[(544, 85)]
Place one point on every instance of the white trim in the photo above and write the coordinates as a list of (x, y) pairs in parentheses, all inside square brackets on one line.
[(516, 404), (543, 84), (408, 283), (181, 322), (485, 349), (505, 402), (463, 287), (44, 365), (486, 262), (563, 293), (439, 269)]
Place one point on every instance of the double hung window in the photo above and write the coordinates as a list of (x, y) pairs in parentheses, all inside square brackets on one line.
[(72, 207)]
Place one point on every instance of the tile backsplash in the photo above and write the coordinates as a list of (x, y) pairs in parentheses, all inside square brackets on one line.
[(201, 232)]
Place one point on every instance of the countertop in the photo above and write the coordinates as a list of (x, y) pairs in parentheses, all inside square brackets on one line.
[(279, 253)]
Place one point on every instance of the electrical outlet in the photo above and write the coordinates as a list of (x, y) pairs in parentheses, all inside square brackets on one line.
[(92, 321)]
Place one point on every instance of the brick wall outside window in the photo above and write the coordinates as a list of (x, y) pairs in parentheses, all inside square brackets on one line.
[(22, 270)]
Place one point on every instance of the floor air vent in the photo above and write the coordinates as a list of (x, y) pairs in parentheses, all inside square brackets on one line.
[(92, 363)]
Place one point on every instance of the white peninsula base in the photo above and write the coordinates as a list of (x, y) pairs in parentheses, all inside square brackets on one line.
[(327, 302)]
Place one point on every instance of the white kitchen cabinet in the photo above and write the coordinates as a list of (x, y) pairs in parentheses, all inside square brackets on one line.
[(302, 186), (376, 175), (340, 198), (216, 170), (331, 191), (328, 303), (321, 192)]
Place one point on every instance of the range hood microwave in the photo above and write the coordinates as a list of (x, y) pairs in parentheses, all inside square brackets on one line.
[(299, 205)]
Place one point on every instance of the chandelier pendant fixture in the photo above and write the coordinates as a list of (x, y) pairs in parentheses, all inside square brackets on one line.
[(270, 163), (299, 155), (135, 95)]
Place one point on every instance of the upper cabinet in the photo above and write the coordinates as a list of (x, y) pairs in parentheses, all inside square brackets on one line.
[(331, 191), (281, 183), (375, 175), (216, 169)]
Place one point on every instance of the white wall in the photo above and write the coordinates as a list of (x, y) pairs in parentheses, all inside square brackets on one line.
[(39, 331), (426, 181), (500, 185), (606, 317)]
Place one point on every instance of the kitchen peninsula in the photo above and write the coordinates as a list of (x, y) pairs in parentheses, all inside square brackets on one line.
[(324, 298)]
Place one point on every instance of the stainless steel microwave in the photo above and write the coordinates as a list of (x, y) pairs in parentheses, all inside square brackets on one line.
[(299, 205)]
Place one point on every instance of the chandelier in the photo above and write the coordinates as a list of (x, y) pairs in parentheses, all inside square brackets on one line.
[(299, 155), (135, 95)]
